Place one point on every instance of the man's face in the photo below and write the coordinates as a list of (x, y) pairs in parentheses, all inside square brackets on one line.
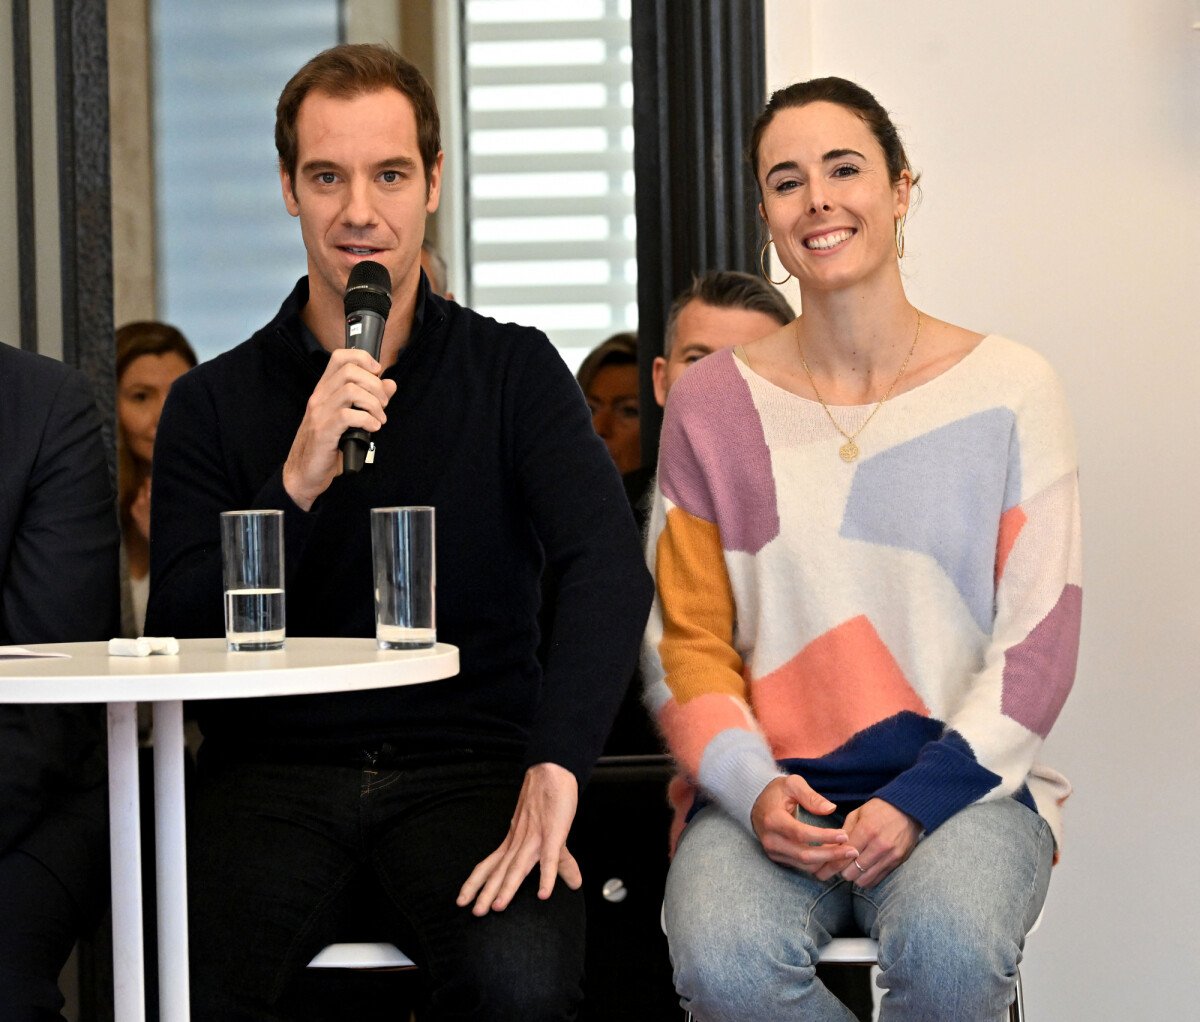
[(360, 190), (702, 329)]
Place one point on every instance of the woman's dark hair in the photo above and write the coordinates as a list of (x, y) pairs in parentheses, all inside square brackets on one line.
[(618, 350), (845, 94), (149, 337)]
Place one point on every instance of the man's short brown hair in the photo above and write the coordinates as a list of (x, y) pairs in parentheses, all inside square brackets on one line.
[(728, 289), (350, 70)]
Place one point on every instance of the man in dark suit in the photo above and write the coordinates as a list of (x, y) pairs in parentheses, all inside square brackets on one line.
[(58, 582)]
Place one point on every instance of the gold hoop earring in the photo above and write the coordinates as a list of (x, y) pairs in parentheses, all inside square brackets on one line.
[(900, 236), (762, 266)]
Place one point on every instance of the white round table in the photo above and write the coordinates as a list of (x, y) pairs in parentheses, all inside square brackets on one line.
[(203, 669)]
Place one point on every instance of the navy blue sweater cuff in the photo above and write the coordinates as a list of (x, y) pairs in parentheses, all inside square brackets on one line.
[(945, 779)]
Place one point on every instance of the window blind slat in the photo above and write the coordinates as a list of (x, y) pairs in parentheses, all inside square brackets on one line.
[(611, 118), (544, 293), (614, 250), (612, 30), (612, 161), (614, 204), (612, 74)]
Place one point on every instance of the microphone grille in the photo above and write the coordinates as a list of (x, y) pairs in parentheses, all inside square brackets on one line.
[(369, 289)]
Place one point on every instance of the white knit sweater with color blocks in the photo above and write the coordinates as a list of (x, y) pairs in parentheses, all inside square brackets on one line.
[(905, 626)]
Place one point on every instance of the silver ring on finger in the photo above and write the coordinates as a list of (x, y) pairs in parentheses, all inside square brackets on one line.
[(861, 868)]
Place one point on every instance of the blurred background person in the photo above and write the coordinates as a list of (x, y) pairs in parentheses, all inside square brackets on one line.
[(150, 357), (58, 583), (721, 309), (608, 378), (435, 269)]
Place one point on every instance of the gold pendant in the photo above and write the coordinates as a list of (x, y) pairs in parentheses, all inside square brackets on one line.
[(848, 451)]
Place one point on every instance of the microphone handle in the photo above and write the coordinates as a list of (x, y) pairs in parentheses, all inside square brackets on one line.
[(364, 330)]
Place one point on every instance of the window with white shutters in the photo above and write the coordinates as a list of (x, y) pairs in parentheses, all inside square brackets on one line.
[(549, 150), (228, 253)]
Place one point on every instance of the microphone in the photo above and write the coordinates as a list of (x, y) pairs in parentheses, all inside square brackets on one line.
[(367, 303)]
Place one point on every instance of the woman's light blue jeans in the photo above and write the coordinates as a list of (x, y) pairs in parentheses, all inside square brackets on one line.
[(746, 933)]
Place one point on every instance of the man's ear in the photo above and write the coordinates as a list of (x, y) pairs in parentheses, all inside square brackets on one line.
[(289, 193), (659, 373), (433, 194)]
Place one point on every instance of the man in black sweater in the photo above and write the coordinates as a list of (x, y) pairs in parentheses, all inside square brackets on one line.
[(58, 582), (451, 801)]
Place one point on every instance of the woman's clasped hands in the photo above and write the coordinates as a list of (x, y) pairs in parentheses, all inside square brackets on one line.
[(874, 839)]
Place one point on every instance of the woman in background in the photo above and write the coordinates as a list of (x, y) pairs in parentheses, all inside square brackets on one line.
[(866, 547), (608, 378), (150, 357)]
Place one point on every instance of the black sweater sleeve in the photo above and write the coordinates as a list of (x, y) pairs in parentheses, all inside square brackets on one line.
[(582, 517), (192, 486)]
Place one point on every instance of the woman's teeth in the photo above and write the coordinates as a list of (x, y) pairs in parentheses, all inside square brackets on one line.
[(828, 240)]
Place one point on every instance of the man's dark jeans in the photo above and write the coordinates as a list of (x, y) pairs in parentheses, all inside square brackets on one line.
[(274, 848)]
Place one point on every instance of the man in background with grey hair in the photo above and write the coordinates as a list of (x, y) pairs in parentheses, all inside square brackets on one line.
[(720, 309)]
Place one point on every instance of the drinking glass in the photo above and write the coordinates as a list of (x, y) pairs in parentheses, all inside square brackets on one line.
[(252, 555), (402, 546)]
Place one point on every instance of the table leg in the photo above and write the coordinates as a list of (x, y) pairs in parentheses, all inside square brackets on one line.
[(125, 848), (170, 836)]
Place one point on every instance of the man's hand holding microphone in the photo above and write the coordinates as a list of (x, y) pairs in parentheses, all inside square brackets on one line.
[(348, 403)]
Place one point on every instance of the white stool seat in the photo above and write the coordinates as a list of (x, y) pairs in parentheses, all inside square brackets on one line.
[(362, 956), (850, 951)]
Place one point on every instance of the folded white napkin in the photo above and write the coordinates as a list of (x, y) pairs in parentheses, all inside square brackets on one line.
[(21, 653), (143, 646)]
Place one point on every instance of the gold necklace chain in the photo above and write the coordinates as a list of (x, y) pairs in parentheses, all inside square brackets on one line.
[(849, 450)]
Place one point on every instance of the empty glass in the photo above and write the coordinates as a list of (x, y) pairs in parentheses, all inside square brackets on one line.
[(402, 546)]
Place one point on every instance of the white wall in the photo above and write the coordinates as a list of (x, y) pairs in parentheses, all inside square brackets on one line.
[(1060, 146)]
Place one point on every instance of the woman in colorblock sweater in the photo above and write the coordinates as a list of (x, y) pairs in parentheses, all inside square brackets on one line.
[(866, 544)]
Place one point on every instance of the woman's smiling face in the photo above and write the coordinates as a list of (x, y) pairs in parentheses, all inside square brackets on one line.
[(827, 196)]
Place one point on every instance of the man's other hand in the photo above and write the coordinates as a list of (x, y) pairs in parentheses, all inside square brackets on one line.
[(536, 836)]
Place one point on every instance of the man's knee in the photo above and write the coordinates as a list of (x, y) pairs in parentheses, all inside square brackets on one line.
[(541, 988), (548, 995), (524, 964)]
